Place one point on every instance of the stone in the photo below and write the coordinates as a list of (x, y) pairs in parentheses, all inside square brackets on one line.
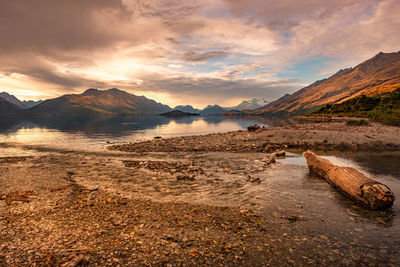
[(280, 154), (253, 128)]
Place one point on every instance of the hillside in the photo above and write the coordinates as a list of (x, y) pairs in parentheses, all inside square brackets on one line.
[(375, 76), (26, 104), (95, 102), (8, 109), (187, 108), (212, 110), (384, 108)]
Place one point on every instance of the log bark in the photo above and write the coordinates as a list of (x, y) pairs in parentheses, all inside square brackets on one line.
[(351, 182)]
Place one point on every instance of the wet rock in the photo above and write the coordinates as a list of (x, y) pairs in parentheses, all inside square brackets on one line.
[(280, 154), (271, 159), (253, 128)]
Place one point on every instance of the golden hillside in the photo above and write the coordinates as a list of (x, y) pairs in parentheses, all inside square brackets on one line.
[(377, 75)]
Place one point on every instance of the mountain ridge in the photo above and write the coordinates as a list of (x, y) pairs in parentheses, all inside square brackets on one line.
[(187, 109), (379, 74), (25, 104), (251, 104), (8, 108), (216, 109), (93, 102), (212, 110)]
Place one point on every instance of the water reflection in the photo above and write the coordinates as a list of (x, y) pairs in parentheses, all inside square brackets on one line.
[(119, 125), (271, 120), (337, 202), (85, 133), (379, 163)]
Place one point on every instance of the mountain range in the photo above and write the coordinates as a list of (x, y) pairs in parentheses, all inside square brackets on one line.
[(216, 109), (21, 104), (380, 74), (94, 102), (8, 108), (111, 102), (212, 110), (187, 109), (251, 104)]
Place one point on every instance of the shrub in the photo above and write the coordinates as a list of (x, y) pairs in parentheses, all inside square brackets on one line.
[(384, 108)]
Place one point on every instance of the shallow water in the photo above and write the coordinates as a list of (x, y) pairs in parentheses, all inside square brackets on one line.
[(285, 189), (311, 197), (288, 189)]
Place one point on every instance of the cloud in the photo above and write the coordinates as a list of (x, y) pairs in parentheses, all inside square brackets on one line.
[(285, 14), (199, 51), (347, 32), (193, 56), (39, 70), (238, 70), (218, 88), (201, 91), (46, 25)]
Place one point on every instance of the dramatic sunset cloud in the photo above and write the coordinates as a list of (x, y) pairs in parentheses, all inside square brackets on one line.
[(187, 52)]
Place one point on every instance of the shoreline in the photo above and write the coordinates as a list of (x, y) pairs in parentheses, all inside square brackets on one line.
[(194, 206), (317, 136)]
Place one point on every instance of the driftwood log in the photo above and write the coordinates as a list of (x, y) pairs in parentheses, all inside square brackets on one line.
[(351, 182)]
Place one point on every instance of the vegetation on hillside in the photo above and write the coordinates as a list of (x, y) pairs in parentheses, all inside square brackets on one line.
[(383, 108)]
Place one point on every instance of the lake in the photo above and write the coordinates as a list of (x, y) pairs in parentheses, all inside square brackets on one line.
[(96, 134)]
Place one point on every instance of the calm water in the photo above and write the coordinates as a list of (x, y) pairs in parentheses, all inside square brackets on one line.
[(95, 135)]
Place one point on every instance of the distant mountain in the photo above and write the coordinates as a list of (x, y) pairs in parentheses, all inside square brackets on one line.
[(94, 102), (252, 104), (380, 74), (212, 110), (187, 108), (21, 104), (7, 108)]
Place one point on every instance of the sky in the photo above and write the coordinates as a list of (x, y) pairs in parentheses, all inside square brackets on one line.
[(187, 52)]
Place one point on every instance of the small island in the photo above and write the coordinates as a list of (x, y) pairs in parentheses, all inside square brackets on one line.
[(178, 113)]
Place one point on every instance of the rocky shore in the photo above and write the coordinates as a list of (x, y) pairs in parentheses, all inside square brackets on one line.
[(194, 206), (317, 136)]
